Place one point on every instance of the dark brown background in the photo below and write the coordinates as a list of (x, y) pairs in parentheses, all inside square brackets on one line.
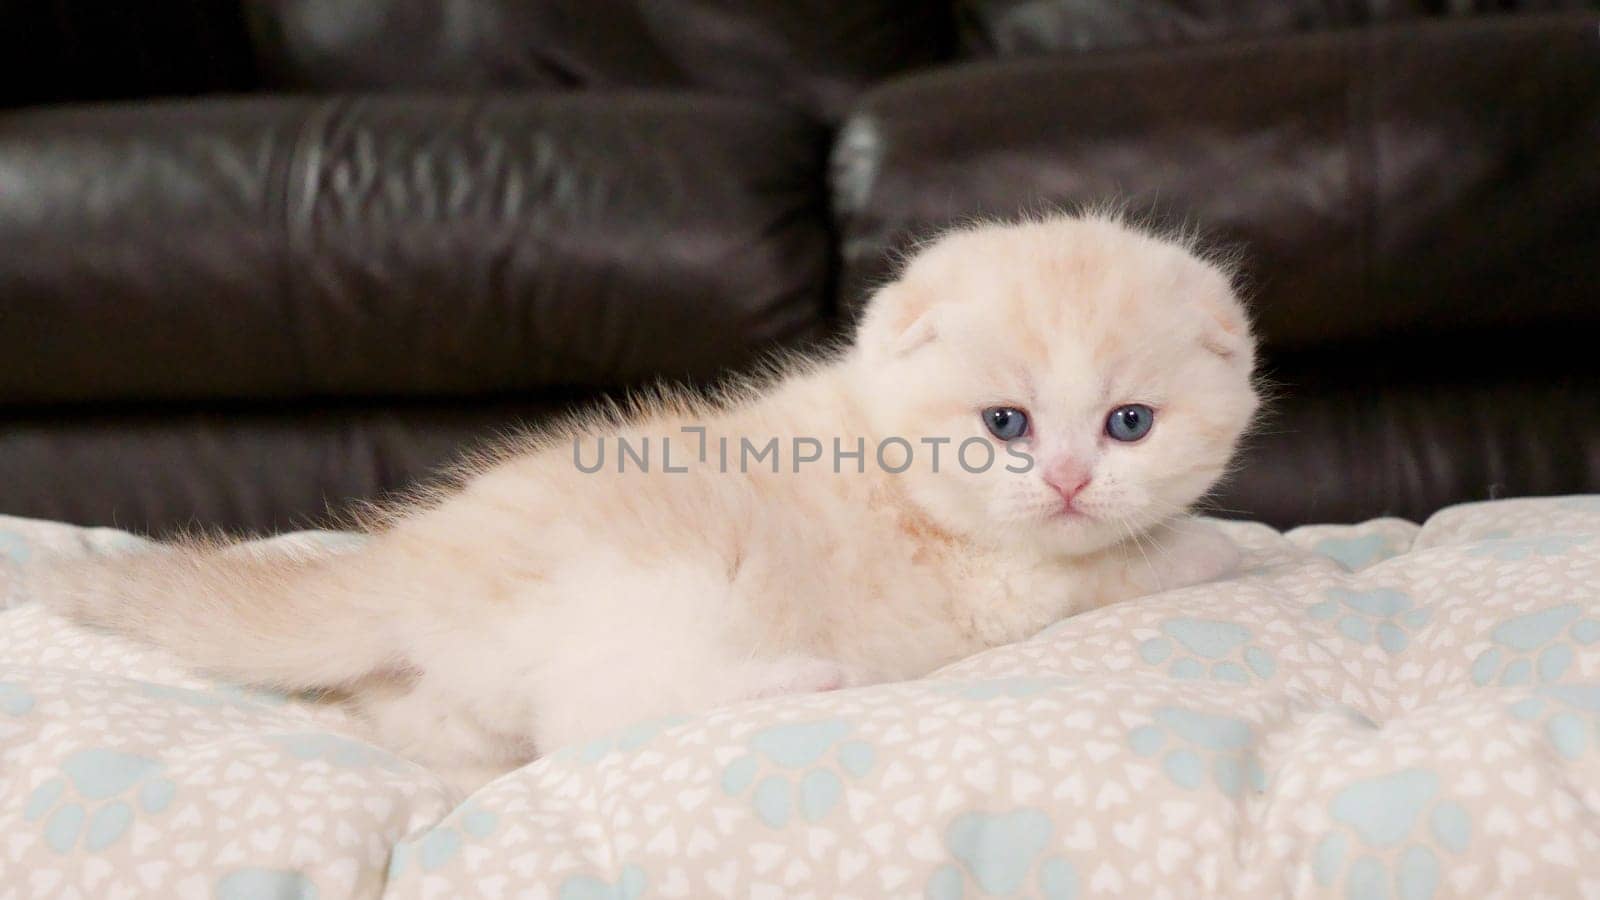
[(261, 257)]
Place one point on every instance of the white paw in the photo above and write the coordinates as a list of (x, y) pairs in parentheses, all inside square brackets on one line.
[(1192, 552), (799, 675)]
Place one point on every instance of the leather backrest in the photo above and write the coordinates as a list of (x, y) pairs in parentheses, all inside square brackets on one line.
[(1412, 180), (814, 54), (1014, 28)]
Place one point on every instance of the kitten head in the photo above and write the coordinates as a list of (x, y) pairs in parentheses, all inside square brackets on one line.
[(1106, 372)]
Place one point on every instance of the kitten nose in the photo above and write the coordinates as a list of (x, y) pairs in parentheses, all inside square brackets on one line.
[(1068, 477)]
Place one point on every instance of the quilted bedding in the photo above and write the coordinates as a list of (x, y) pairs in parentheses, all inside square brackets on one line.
[(1381, 710)]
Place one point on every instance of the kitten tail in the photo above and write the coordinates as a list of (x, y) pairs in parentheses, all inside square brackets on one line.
[(271, 619)]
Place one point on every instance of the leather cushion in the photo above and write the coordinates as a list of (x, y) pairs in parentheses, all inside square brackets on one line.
[(402, 245), (1420, 179), (1332, 449), (1357, 451), (245, 470)]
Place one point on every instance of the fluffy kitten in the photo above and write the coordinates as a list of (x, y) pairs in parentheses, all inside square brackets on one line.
[(540, 605)]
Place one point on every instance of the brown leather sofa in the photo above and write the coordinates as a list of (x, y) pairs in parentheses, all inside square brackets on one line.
[(261, 257)]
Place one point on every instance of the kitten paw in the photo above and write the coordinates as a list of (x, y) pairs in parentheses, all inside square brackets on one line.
[(800, 675), (1191, 553)]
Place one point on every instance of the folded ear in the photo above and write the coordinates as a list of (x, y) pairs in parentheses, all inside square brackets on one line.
[(1226, 329), (898, 320)]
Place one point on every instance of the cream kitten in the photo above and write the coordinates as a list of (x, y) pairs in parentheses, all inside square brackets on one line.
[(1107, 371)]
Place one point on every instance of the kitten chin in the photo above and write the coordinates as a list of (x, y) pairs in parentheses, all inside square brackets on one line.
[(550, 596)]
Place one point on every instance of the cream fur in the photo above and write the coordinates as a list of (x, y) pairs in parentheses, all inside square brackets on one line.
[(536, 605)]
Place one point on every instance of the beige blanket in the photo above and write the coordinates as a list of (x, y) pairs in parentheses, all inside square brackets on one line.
[(1378, 710)]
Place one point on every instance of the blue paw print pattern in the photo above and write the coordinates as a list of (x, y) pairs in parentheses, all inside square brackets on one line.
[(1536, 646), (1007, 688), (805, 781), (1206, 648), (343, 752), (440, 844), (1569, 715), (1389, 833), (1357, 552), (14, 547), (96, 798), (1523, 548), (265, 884), (1195, 747), (630, 885), (15, 699), (999, 854), (631, 738), (1382, 616)]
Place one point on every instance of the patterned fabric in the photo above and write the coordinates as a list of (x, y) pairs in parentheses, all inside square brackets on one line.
[(1381, 710)]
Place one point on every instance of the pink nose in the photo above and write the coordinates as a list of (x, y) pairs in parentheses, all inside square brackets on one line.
[(1069, 477)]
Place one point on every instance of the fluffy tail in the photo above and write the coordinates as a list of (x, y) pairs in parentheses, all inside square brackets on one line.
[(290, 621)]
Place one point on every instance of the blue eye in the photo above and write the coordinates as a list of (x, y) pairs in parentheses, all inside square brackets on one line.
[(1006, 422), (1130, 423)]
